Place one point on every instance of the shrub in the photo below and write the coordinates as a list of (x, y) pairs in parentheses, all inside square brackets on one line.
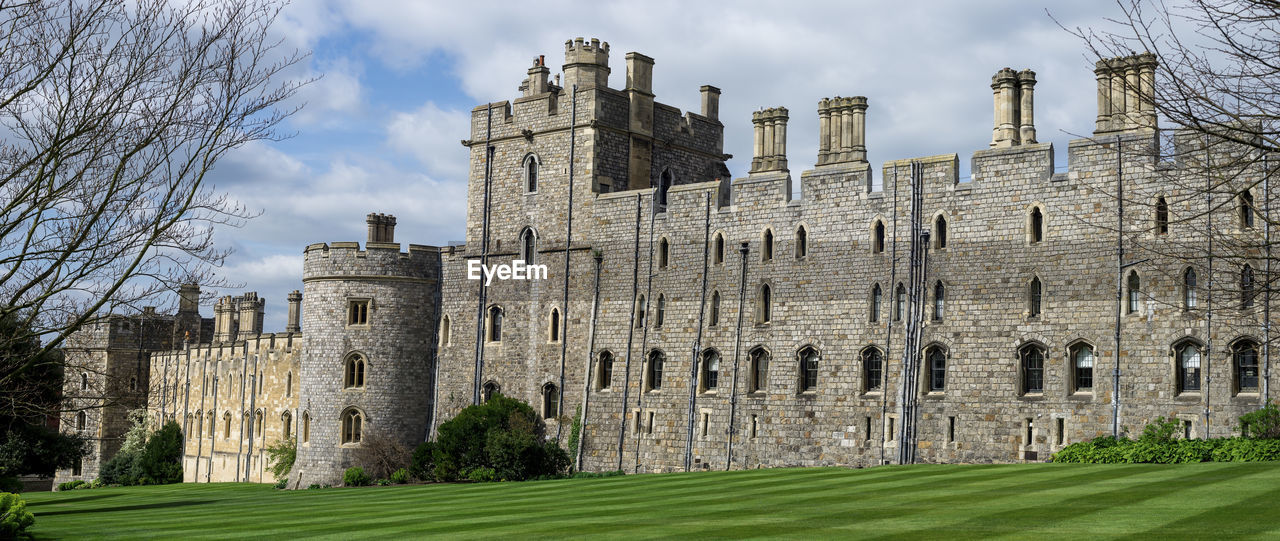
[(383, 482), (281, 484), (381, 455), (124, 468), (161, 459), (281, 455), (1160, 430), (11, 483), (423, 463), (400, 476), (481, 475), (313, 486), (1261, 424), (503, 435), (597, 475), (14, 517), (355, 477), (70, 485)]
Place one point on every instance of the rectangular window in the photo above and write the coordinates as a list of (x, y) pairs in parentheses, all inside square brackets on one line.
[(1062, 430), (706, 420), (358, 312), (649, 426), (951, 429), (1030, 435), (635, 425), (754, 426), (867, 429), (889, 434)]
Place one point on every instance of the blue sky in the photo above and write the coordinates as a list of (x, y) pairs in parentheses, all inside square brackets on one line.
[(380, 129)]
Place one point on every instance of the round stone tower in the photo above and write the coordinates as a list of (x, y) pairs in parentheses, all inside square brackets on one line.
[(368, 349)]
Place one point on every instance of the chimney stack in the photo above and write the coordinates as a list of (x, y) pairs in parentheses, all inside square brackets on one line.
[(382, 227), (295, 312), (1014, 117), (770, 140), (710, 102), (1126, 93), (250, 308), (842, 130)]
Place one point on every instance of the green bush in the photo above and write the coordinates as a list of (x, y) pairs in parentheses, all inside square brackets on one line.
[(503, 435), (313, 486), (161, 459), (400, 476), (383, 482), (281, 484), (1125, 451), (1246, 450), (280, 456), (597, 475), (70, 485), (14, 517), (1261, 424), (423, 463), (125, 467), (1160, 430), (355, 477), (481, 475)]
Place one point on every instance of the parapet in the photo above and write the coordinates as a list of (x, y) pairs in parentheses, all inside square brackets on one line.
[(345, 260)]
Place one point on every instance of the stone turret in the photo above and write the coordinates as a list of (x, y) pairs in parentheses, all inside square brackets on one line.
[(586, 64), (842, 130), (1126, 93), (770, 140), (378, 305)]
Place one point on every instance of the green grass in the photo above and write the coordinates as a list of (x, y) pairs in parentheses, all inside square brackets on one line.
[(947, 501)]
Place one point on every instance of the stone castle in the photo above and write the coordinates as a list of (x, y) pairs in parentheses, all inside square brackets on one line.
[(694, 321)]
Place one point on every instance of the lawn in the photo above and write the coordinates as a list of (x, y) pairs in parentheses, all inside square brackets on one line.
[(929, 501)]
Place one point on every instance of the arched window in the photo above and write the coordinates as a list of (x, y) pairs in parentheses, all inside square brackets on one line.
[(1081, 362), (664, 252), (640, 307), (710, 370), (213, 430), (1244, 360), (872, 369), (664, 185), (352, 421), (553, 326), (84, 382), (766, 245), (133, 383), (530, 173), (1135, 292), (81, 420), (354, 373), (876, 301), (288, 384), (940, 232), (528, 245), (1035, 297), (1247, 286), (446, 331), (764, 305), (604, 374), (257, 417), (199, 424), (802, 242), (808, 358), (900, 302), (939, 298), (489, 389), (1035, 226), (1246, 210), (936, 362), (713, 311), (717, 249), (306, 427), (877, 238), (226, 425), (654, 370), (286, 424), (1162, 216), (1031, 357), (550, 401), (1187, 357), (660, 313), (494, 323), (1189, 289), (758, 358)]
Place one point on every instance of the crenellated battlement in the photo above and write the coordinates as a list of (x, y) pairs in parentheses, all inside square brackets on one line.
[(347, 260)]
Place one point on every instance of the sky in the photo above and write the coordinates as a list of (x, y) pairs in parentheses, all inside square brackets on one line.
[(380, 127)]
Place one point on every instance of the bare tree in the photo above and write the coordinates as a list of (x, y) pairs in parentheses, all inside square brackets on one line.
[(1200, 203), (112, 114)]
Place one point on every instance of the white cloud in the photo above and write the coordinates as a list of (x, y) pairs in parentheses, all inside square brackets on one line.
[(431, 135)]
